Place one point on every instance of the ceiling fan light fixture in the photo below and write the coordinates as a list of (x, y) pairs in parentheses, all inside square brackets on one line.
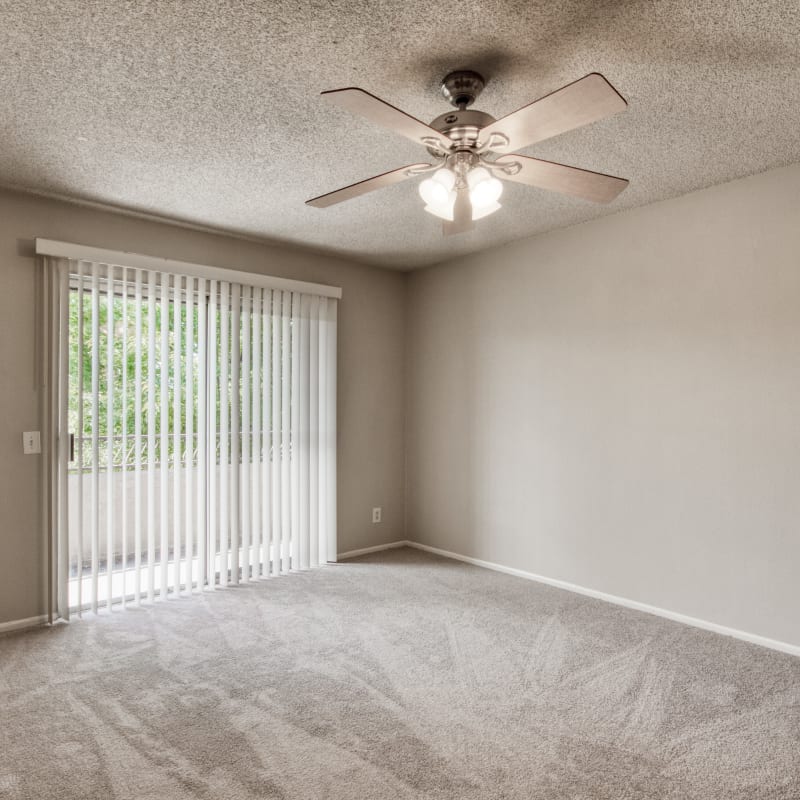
[(446, 177), (431, 192), (484, 189), (435, 191), (443, 210)]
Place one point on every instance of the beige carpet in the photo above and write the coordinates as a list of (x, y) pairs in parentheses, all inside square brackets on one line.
[(398, 675)]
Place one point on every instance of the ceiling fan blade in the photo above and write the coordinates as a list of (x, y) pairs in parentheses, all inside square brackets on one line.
[(462, 214), (583, 183), (362, 187), (586, 100), (376, 110)]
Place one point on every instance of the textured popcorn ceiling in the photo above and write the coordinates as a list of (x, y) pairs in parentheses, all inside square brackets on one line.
[(208, 112)]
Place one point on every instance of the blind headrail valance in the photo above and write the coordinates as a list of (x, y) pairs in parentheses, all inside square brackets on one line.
[(79, 252)]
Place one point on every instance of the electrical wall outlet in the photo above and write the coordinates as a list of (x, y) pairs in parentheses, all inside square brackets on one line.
[(376, 514), (31, 443)]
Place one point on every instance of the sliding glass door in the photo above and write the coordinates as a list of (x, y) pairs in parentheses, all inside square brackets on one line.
[(201, 420)]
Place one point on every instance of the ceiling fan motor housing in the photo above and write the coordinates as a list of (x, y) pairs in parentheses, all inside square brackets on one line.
[(463, 127), (462, 87)]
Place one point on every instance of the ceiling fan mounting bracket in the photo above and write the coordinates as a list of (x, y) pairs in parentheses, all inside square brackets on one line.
[(462, 87)]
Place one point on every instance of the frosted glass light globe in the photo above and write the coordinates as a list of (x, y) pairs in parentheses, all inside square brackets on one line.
[(432, 192), (435, 190), (484, 190), (443, 210), (446, 177)]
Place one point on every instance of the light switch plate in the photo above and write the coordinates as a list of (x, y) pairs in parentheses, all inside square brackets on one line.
[(31, 443)]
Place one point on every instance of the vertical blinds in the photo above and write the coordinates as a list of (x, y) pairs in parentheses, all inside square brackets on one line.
[(193, 436)]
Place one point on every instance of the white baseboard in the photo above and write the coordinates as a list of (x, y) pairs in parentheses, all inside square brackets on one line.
[(22, 624), (364, 550), (753, 638), (763, 641)]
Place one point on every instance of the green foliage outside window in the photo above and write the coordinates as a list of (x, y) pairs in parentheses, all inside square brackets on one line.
[(124, 374)]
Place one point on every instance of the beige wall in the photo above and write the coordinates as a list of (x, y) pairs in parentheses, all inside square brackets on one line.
[(370, 386), (617, 405), (614, 404)]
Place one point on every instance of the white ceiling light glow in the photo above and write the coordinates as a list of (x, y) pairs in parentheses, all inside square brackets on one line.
[(484, 189), (438, 193), (436, 190)]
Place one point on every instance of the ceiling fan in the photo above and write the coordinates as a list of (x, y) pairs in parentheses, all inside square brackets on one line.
[(472, 151)]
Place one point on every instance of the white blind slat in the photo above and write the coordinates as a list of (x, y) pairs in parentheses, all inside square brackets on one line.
[(313, 433), (236, 406), (81, 347), (177, 430), (224, 410), (189, 435), (151, 437), (330, 404), (138, 523), (202, 427), (246, 430), (212, 477), (109, 401), (294, 422), (286, 378), (322, 428), (277, 472), (95, 437), (255, 443), (123, 512), (266, 439), (163, 458), (303, 412)]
